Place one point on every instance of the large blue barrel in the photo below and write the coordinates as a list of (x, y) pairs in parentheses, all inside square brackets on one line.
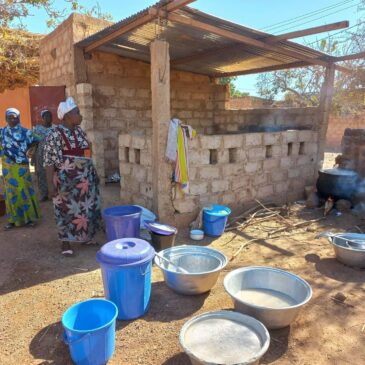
[(89, 331), (126, 266), (122, 221)]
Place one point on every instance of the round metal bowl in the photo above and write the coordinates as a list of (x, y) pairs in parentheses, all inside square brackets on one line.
[(272, 296), (349, 248), (203, 265), (224, 337)]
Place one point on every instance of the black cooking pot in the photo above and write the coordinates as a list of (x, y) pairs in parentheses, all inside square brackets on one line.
[(337, 183)]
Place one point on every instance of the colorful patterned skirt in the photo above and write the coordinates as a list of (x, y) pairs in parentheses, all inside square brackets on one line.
[(20, 198), (77, 204)]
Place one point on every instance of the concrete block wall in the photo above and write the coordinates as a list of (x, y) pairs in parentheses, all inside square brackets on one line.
[(57, 53), (235, 169), (232, 170), (236, 120), (135, 165)]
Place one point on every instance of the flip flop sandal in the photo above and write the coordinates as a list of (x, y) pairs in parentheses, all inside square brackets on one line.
[(9, 226), (30, 224), (67, 253)]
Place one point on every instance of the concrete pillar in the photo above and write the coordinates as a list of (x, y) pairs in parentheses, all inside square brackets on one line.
[(84, 100), (161, 115), (324, 111)]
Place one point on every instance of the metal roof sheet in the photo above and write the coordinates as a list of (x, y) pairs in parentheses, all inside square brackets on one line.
[(218, 55)]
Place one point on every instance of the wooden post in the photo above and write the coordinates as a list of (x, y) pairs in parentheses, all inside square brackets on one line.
[(325, 110), (161, 115)]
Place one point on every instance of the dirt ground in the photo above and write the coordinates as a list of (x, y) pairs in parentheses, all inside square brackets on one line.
[(37, 285)]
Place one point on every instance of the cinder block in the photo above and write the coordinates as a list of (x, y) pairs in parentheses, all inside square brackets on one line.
[(278, 176), (252, 167), (287, 162), (106, 90), (290, 136), (228, 199), (219, 186), (305, 136), (84, 89), (294, 172), (253, 139), (233, 169), (303, 160), (240, 183), (271, 164), (109, 112), (146, 158), (265, 191), (198, 188), (125, 168), (233, 141), (260, 179), (146, 189), (210, 142), (223, 156), (256, 154), (198, 157), (139, 173), (138, 142), (272, 138), (282, 187), (209, 172)]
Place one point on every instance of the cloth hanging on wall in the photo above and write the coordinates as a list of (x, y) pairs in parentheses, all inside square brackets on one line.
[(177, 151)]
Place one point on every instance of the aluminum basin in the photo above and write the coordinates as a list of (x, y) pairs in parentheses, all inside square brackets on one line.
[(351, 254), (203, 265), (224, 337), (272, 296)]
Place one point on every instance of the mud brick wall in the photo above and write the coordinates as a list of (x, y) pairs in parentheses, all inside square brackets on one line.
[(237, 120), (135, 164), (353, 150), (337, 126)]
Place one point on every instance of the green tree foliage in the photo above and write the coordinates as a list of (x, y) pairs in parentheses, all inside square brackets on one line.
[(234, 92), (301, 87), (19, 50)]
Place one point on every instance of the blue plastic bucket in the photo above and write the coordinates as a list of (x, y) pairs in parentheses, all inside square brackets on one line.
[(126, 266), (89, 331), (215, 219), (122, 221)]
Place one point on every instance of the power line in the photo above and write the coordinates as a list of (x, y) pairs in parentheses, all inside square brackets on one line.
[(307, 15), (312, 20)]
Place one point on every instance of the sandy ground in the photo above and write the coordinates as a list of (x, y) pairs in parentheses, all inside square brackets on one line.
[(37, 285)]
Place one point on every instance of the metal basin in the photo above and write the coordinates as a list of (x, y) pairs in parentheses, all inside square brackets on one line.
[(349, 248), (272, 296), (203, 265), (224, 337)]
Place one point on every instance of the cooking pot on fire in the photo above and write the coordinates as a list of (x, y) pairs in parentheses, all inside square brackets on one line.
[(337, 183)]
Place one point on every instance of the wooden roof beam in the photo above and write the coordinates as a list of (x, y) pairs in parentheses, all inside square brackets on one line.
[(152, 13), (308, 31), (264, 69), (354, 56), (243, 39)]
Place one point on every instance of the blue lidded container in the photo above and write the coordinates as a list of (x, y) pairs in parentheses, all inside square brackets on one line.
[(215, 219), (126, 266)]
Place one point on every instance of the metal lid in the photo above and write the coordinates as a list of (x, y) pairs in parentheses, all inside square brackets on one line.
[(217, 210), (160, 228), (125, 251)]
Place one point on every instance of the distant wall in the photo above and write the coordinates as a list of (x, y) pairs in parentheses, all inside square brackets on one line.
[(337, 126), (19, 99)]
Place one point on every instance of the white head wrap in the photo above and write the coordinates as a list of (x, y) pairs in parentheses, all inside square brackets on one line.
[(65, 107)]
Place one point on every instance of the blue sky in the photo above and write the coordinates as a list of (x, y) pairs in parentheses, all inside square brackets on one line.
[(258, 14)]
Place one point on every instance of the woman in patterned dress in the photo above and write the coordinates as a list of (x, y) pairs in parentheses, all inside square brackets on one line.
[(72, 179), (41, 130), (21, 202)]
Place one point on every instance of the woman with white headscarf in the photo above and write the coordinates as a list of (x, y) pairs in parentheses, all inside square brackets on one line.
[(22, 207), (72, 179)]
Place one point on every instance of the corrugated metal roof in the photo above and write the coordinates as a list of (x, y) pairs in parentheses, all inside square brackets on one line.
[(208, 53)]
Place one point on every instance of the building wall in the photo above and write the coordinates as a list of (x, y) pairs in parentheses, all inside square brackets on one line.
[(19, 99), (122, 100), (266, 166), (337, 126)]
